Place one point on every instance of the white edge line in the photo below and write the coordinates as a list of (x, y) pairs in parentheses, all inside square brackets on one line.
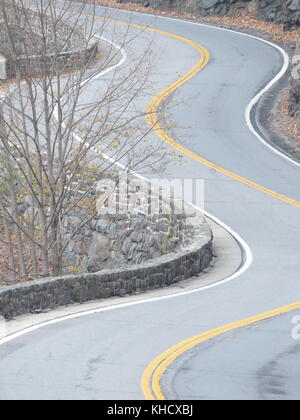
[(246, 263), (119, 64), (260, 94), (256, 99)]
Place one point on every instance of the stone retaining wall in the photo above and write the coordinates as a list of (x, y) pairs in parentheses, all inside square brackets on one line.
[(38, 65), (136, 221), (67, 48), (49, 293), (191, 255)]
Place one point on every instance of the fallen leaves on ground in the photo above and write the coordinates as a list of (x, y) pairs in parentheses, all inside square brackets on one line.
[(286, 124), (242, 21)]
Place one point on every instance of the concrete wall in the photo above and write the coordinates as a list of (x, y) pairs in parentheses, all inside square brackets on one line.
[(3, 74)]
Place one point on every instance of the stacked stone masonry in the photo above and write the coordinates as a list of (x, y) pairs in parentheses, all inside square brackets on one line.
[(127, 252), (46, 294)]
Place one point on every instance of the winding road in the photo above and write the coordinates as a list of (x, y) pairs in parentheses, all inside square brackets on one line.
[(249, 187)]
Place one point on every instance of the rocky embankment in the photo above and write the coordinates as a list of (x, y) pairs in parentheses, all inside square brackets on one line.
[(277, 11)]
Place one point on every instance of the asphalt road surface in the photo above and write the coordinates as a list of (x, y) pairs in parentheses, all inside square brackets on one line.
[(103, 356), (260, 362)]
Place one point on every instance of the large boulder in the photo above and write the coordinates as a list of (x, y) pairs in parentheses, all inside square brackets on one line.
[(294, 98), (271, 10), (98, 253), (292, 14)]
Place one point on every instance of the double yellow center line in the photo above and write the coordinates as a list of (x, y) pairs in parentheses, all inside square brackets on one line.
[(151, 380), (152, 376), (153, 108)]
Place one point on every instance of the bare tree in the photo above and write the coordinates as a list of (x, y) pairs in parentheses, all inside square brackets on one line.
[(56, 130)]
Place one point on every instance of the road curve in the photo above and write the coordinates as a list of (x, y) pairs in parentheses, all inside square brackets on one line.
[(256, 363), (103, 356)]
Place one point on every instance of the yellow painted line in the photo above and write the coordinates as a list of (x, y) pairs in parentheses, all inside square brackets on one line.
[(153, 108), (151, 380), (153, 373), (152, 116)]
